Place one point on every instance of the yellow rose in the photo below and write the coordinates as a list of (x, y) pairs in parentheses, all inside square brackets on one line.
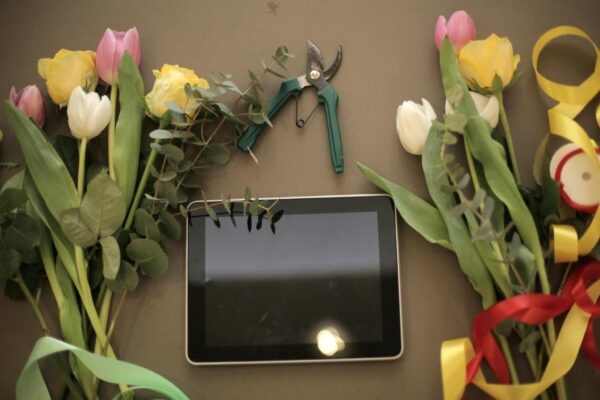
[(169, 86), (66, 71), (481, 60)]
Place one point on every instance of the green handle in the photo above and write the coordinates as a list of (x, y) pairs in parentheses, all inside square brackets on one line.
[(329, 97), (289, 87)]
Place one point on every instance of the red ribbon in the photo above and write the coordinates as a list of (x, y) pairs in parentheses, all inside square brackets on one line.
[(535, 309)]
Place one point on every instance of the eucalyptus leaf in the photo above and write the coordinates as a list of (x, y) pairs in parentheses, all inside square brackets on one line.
[(168, 225), (216, 154), (111, 257), (166, 190), (161, 134), (149, 255), (145, 225), (76, 230), (23, 233), (173, 152), (103, 206), (127, 278)]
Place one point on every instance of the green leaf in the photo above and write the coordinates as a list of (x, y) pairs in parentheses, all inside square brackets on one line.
[(485, 149), (216, 154), (540, 160), (168, 225), (10, 261), (247, 193), (454, 95), (11, 199), (277, 74), (145, 225), (111, 257), (24, 232), (128, 130), (149, 255), (173, 152), (255, 80), (76, 230), (68, 150), (417, 213), (276, 217), (127, 278), (161, 134), (103, 206), (48, 171), (166, 190)]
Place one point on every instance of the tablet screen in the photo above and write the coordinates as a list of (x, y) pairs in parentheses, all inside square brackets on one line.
[(258, 296)]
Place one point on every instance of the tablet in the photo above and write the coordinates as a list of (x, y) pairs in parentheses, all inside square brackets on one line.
[(323, 287)]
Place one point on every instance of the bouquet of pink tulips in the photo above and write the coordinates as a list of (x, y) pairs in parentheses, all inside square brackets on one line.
[(89, 228)]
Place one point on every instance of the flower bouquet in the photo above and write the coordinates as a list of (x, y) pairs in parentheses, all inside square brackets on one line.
[(519, 246), (90, 227)]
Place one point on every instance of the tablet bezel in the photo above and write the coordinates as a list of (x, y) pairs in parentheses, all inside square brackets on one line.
[(390, 348)]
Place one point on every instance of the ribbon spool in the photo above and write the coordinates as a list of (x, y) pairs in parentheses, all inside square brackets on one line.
[(568, 247), (460, 361)]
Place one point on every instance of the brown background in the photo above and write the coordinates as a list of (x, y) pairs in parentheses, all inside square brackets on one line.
[(389, 57)]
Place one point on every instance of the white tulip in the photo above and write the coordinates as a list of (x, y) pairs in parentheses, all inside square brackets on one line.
[(88, 113), (487, 106), (413, 122)]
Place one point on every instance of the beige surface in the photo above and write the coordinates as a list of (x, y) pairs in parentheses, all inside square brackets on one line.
[(388, 57)]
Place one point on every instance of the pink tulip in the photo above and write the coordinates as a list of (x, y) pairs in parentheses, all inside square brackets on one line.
[(460, 29), (110, 50), (30, 101)]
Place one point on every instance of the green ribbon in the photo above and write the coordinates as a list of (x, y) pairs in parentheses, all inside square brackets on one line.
[(31, 385)]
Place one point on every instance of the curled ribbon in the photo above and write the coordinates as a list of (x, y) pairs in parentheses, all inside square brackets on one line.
[(461, 359), (571, 101)]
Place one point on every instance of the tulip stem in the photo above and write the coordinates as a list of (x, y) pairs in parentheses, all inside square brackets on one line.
[(114, 90), (471, 163), (508, 136), (81, 170)]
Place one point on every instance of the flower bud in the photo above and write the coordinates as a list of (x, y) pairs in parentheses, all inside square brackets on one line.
[(487, 106), (111, 48), (30, 101), (413, 122), (460, 30), (88, 114)]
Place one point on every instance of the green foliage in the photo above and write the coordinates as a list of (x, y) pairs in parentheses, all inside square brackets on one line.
[(103, 206), (111, 257)]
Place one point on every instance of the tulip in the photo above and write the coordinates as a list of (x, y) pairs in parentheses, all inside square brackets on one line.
[(460, 30), (67, 70), (487, 106), (110, 50), (169, 86), (30, 101), (413, 122), (481, 60), (88, 114)]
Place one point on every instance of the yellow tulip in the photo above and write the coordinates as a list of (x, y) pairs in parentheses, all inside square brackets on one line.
[(481, 60), (66, 71), (169, 86)]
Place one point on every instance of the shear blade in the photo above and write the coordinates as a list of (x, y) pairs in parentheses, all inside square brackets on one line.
[(315, 58)]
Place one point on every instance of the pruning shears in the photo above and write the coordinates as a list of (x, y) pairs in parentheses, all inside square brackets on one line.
[(316, 75)]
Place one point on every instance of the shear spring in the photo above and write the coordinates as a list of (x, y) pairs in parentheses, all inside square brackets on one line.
[(301, 122)]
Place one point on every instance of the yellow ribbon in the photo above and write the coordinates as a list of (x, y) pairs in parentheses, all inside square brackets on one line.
[(571, 101), (456, 354)]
